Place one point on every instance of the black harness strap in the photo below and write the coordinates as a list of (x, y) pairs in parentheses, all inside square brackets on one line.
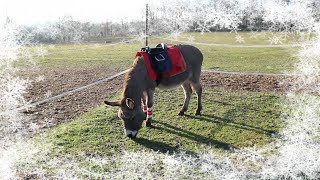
[(159, 78), (159, 60)]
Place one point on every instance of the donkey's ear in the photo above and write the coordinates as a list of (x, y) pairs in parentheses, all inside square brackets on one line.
[(130, 103), (115, 103)]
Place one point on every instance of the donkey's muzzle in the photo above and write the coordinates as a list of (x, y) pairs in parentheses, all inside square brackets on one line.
[(131, 134)]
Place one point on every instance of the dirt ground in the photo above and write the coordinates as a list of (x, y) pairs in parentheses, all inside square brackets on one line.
[(54, 81), (247, 82)]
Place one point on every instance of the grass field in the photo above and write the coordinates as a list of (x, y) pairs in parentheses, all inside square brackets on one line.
[(230, 120), (249, 38), (266, 60)]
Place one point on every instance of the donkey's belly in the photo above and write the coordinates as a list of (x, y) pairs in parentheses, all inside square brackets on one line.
[(174, 81)]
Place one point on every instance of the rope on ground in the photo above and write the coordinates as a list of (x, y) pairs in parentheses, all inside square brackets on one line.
[(38, 103), (75, 90), (244, 73), (123, 72)]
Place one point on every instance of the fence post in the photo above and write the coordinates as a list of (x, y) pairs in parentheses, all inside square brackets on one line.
[(146, 31)]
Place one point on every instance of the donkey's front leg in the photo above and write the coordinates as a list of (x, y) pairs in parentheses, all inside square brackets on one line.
[(150, 94), (144, 103)]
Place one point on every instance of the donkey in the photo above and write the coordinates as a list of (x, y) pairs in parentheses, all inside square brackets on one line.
[(139, 90)]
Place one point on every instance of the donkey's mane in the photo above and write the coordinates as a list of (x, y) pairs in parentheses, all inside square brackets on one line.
[(132, 86)]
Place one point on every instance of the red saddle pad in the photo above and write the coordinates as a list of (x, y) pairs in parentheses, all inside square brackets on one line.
[(177, 61)]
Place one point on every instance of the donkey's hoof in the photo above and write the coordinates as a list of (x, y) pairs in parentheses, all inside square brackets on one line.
[(148, 124), (181, 113), (198, 113)]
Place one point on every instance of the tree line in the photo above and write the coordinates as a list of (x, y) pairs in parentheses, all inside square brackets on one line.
[(183, 16)]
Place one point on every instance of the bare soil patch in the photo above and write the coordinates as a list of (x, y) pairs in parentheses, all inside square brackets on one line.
[(247, 82), (55, 81), (58, 80)]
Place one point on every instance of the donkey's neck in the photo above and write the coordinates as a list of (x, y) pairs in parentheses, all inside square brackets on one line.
[(135, 81)]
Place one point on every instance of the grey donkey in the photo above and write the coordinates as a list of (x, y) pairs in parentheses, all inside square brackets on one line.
[(137, 88)]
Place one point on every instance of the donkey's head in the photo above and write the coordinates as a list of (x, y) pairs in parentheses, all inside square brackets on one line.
[(131, 114)]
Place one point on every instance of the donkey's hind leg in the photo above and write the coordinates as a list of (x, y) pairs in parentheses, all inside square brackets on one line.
[(198, 88), (187, 92)]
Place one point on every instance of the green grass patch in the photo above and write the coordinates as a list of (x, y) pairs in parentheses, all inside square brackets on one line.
[(267, 60), (249, 38), (229, 120), (82, 55)]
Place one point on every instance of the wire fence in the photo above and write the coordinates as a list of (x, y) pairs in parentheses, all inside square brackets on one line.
[(129, 41)]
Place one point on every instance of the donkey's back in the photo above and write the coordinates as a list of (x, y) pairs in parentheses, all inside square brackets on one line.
[(193, 58)]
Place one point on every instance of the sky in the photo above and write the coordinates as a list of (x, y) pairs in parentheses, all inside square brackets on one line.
[(39, 11)]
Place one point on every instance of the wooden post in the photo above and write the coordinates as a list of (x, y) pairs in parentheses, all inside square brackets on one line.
[(146, 31)]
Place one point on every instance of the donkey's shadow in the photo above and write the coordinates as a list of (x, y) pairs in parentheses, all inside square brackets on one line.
[(166, 148), (157, 146), (231, 123), (181, 132)]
